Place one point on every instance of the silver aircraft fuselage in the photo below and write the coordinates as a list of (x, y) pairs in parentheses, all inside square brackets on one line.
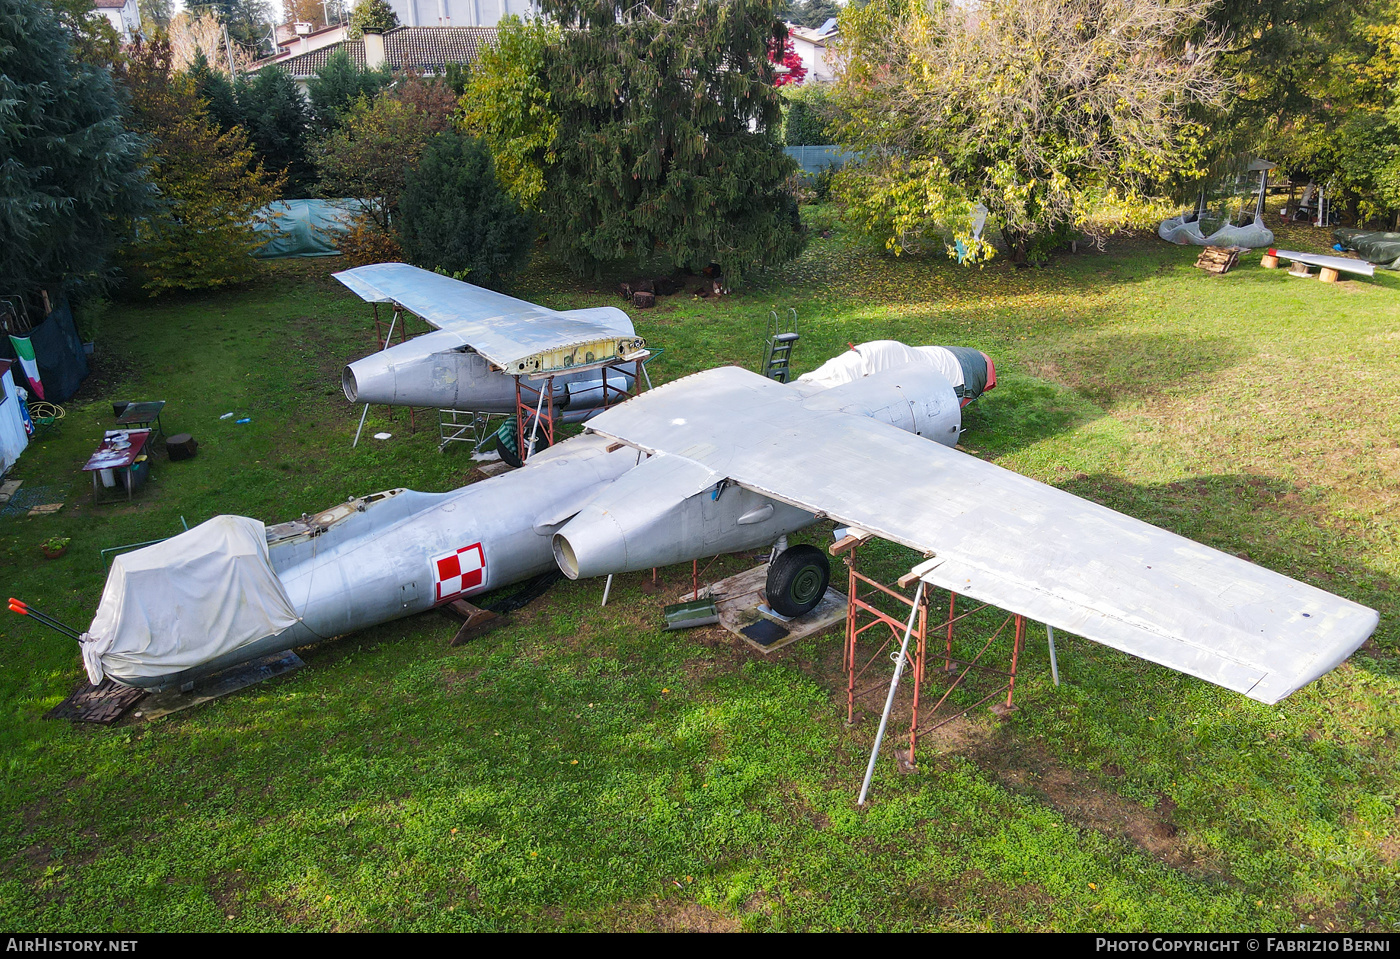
[(587, 505), (437, 370)]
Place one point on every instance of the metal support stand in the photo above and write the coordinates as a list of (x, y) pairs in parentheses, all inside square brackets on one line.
[(530, 419), (465, 426), (534, 406), (862, 615), (915, 607), (398, 312)]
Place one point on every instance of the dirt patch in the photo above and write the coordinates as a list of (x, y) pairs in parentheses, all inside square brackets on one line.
[(668, 916), (227, 890), (961, 734), (1389, 850), (949, 901), (456, 681), (1083, 797)]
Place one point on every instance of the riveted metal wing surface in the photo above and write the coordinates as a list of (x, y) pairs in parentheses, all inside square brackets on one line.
[(1003, 538)]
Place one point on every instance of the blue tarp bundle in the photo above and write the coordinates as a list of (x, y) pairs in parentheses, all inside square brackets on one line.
[(304, 227)]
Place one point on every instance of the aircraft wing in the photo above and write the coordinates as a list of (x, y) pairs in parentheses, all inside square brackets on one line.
[(518, 337), (1003, 538), (1344, 263)]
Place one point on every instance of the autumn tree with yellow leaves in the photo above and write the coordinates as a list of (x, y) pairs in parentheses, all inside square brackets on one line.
[(203, 233)]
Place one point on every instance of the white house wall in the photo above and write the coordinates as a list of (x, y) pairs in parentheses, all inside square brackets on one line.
[(459, 13)]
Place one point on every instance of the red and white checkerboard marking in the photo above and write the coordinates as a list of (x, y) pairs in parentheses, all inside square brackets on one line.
[(459, 572)]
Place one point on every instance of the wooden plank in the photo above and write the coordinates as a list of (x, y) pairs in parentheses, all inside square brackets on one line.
[(1219, 259), (853, 538)]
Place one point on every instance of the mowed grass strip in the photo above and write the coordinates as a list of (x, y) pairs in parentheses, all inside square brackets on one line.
[(579, 768)]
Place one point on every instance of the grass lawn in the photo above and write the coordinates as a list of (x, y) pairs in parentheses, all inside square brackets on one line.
[(579, 768)]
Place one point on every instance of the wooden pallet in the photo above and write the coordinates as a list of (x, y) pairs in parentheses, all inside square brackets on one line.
[(1219, 259), (743, 611), (103, 704)]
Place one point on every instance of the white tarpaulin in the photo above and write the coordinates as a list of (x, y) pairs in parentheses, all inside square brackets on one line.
[(185, 601), (878, 355)]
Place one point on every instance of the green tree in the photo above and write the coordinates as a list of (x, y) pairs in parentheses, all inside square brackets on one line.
[(1278, 53), (71, 173), (810, 113), (668, 136), (1315, 88), (91, 36), (368, 155), (155, 16), (455, 218), (275, 118), (813, 13), (217, 92), (248, 21), (506, 103), (372, 15), (340, 83), (1054, 115), (203, 233)]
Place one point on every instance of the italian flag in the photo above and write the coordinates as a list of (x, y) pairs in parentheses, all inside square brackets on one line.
[(25, 349)]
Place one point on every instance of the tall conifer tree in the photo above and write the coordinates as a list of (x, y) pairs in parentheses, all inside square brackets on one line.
[(668, 136), (70, 170)]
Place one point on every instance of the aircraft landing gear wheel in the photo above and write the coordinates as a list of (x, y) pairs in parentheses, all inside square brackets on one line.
[(797, 580)]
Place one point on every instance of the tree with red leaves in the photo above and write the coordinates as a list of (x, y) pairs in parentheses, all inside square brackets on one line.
[(789, 64)]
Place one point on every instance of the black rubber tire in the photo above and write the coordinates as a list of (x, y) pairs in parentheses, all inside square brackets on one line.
[(797, 580)]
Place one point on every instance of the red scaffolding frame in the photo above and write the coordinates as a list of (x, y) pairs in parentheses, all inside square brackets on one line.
[(533, 419), (862, 616)]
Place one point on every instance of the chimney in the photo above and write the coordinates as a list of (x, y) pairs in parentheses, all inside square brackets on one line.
[(374, 48)]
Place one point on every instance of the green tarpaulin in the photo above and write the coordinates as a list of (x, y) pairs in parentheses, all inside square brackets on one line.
[(1382, 249), (304, 227)]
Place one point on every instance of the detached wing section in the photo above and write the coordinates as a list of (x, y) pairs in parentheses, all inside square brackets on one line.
[(1002, 538), (518, 337)]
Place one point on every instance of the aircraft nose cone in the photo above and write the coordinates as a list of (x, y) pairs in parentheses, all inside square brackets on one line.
[(347, 383)]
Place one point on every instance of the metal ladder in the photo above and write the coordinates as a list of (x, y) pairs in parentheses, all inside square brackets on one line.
[(777, 351)]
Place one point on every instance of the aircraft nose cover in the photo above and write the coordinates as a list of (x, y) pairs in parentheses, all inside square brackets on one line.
[(185, 601)]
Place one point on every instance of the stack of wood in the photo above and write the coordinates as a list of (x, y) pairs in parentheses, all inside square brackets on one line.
[(1219, 259)]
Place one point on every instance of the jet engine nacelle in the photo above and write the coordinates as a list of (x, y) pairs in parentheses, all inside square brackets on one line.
[(669, 510), (918, 401), (435, 370)]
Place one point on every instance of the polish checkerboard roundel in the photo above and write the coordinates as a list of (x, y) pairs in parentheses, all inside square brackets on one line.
[(458, 572)]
